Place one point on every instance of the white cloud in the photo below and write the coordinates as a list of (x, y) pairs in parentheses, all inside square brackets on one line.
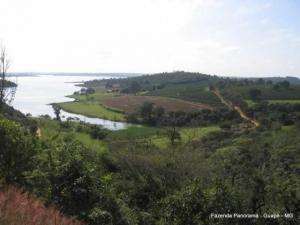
[(144, 36)]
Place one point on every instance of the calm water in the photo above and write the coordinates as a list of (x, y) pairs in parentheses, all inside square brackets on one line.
[(35, 93)]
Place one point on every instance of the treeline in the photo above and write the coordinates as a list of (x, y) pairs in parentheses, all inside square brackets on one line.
[(257, 90), (152, 115), (152, 82), (275, 114)]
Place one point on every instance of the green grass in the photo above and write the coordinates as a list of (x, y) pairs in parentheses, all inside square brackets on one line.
[(91, 105), (136, 132), (85, 139), (190, 134), (158, 136), (186, 134), (92, 110), (51, 129), (251, 103), (98, 96)]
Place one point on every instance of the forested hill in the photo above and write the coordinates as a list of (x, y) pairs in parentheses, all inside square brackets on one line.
[(291, 80), (195, 87), (155, 81), (151, 82)]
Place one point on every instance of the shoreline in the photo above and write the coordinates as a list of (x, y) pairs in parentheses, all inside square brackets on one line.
[(62, 105)]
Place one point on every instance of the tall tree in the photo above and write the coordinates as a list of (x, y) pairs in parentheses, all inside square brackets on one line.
[(57, 111), (4, 65), (255, 94)]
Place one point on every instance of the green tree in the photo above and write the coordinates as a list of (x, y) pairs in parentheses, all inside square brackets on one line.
[(57, 111), (285, 84), (255, 94), (18, 151), (146, 111)]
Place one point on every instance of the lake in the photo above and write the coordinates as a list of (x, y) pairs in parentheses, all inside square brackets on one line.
[(35, 93)]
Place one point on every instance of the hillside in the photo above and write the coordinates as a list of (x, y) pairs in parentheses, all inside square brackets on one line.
[(143, 176), (182, 85), (291, 80), (19, 208)]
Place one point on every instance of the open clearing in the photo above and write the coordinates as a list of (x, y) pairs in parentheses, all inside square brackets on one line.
[(91, 110), (112, 107), (51, 129), (158, 136), (275, 101), (129, 103)]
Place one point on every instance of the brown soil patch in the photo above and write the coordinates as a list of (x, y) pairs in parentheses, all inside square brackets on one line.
[(129, 103)]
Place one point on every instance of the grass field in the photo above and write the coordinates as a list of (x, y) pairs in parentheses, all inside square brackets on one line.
[(135, 132), (158, 137), (195, 92), (92, 106), (130, 103), (186, 134), (51, 129), (251, 103), (112, 106), (92, 110)]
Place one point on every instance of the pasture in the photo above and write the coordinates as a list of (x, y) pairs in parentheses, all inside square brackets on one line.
[(130, 103)]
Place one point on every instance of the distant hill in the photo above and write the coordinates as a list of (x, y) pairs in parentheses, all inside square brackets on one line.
[(291, 80)]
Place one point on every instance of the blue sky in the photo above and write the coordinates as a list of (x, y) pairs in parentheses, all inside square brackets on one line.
[(229, 37)]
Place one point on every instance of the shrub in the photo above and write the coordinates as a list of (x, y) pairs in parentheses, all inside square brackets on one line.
[(18, 151), (19, 208)]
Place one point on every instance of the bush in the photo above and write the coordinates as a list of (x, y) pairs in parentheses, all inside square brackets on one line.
[(18, 150), (19, 208), (97, 132)]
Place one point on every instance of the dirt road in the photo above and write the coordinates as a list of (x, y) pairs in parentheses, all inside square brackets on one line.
[(231, 106), (38, 132)]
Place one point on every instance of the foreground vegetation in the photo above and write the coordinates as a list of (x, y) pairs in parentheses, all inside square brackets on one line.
[(138, 177), (19, 208)]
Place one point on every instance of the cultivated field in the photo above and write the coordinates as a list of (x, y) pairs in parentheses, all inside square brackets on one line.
[(129, 103)]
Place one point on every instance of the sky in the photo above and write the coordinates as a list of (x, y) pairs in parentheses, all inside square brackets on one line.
[(228, 37)]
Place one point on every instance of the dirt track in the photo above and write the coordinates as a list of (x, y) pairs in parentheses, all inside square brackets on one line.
[(38, 132), (230, 105)]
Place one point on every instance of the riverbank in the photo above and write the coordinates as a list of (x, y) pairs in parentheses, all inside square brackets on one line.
[(91, 106)]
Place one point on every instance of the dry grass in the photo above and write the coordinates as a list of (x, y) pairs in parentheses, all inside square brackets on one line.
[(129, 103), (19, 208)]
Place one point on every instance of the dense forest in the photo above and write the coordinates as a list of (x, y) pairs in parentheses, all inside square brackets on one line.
[(176, 167)]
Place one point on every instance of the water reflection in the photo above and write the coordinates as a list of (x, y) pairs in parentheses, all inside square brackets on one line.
[(35, 93)]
